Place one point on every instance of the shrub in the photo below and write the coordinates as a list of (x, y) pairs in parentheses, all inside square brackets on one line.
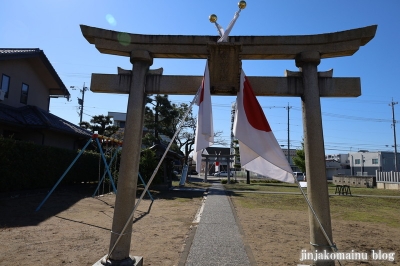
[(25, 165), (225, 181), (148, 164)]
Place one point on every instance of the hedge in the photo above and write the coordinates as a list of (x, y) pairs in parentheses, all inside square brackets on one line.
[(26, 165)]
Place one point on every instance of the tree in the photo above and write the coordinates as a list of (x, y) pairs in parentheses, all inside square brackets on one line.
[(148, 163), (100, 123), (235, 146), (218, 140), (184, 142), (300, 159), (164, 117), (159, 117), (185, 138)]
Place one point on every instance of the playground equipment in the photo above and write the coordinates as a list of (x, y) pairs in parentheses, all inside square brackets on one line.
[(117, 144), (95, 137)]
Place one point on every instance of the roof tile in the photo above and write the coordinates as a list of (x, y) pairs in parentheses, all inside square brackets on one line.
[(35, 117)]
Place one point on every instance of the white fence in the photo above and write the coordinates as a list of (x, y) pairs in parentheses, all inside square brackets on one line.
[(388, 177)]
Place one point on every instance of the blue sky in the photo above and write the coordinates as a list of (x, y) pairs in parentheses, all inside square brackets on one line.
[(349, 124)]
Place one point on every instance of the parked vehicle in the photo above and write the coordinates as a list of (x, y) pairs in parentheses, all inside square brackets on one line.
[(223, 173), (300, 176)]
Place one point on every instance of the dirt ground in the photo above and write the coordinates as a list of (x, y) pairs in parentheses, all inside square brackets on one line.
[(277, 237), (72, 228)]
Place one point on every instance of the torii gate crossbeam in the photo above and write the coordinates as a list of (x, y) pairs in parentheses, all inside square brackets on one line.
[(225, 61)]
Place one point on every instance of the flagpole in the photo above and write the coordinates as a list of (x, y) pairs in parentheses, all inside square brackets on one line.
[(224, 34)]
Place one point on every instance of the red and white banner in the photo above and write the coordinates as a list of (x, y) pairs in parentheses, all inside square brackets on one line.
[(259, 149), (216, 166), (204, 128)]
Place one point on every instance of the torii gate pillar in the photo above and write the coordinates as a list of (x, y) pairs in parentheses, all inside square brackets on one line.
[(129, 167), (317, 190)]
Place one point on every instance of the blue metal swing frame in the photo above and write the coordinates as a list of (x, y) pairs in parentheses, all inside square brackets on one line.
[(107, 166)]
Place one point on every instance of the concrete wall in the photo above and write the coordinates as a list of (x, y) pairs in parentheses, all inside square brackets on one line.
[(393, 186), (388, 180), (355, 181), (20, 72)]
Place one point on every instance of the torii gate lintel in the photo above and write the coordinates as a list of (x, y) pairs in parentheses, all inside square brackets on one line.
[(291, 85)]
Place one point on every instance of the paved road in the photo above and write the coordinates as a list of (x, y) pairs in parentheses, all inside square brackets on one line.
[(217, 240)]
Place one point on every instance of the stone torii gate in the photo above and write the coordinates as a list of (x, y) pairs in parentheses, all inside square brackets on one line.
[(225, 66)]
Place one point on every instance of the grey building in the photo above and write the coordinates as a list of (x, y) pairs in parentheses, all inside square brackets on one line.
[(366, 163)]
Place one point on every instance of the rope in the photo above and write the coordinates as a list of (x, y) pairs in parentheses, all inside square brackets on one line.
[(209, 168), (318, 245), (115, 233), (153, 175), (331, 245)]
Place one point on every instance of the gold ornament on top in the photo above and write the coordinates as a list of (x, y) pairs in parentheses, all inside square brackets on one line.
[(242, 4), (213, 18)]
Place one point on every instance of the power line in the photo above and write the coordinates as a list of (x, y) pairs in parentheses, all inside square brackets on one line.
[(342, 116)]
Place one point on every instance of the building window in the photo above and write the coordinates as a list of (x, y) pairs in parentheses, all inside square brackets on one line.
[(357, 161), (5, 84), (374, 161), (24, 93)]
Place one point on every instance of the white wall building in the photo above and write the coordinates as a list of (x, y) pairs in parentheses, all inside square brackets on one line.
[(366, 163), (118, 118)]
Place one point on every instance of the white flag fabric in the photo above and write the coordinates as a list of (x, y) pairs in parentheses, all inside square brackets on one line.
[(259, 149), (204, 128)]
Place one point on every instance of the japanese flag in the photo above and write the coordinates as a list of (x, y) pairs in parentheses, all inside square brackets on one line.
[(204, 128), (258, 147)]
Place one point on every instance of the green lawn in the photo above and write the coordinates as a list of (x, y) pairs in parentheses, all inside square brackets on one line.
[(285, 187), (192, 184), (353, 208)]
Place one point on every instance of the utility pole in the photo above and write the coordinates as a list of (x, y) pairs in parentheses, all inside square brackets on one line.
[(394, 134), (288, 132), (81, 101)]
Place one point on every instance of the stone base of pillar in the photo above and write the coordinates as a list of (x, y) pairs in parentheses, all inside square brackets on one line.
[(131, 261)]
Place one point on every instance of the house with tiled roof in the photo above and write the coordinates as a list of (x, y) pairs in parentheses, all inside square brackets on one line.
[(28, 82)]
